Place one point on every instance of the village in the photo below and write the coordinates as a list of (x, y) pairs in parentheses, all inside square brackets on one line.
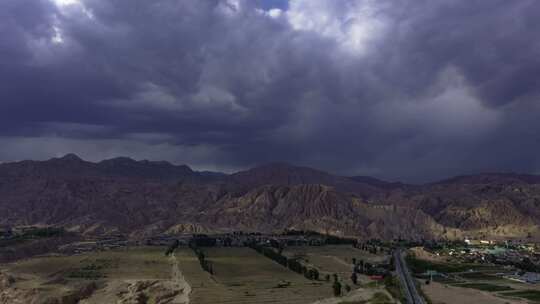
[(518, 260), (467, 263)]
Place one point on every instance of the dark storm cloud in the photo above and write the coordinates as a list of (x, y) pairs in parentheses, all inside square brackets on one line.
[(414, 90)]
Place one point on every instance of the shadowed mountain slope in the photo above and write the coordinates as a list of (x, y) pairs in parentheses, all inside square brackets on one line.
[(146, 198)]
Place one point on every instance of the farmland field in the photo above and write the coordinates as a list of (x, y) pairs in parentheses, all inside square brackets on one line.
[(139, 263), (451, 294), (485, 286), (333, 259), (531, 295), (241, 275), (467, 283), (420, 266), (99, 277)]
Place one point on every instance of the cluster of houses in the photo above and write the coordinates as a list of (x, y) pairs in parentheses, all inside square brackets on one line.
[(512, 254)]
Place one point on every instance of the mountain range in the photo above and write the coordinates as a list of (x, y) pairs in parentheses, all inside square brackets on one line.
[(145, 198)]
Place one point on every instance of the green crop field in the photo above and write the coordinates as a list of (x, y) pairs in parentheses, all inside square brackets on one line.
[(333, 259), (482, 276), (485, 287), (421, 266), (531, 295)]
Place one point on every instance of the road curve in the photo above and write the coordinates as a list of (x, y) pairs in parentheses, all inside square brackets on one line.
[(406, 279)]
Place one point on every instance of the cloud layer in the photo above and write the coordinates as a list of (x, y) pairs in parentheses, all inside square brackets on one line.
[(412, 90)]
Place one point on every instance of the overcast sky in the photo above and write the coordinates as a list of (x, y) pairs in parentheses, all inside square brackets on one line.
[(405, 90)]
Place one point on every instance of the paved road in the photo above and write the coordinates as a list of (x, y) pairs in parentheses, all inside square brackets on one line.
[(406, 279)]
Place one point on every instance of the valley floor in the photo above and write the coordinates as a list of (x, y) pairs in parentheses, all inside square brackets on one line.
[(146, 275), (447, 294)]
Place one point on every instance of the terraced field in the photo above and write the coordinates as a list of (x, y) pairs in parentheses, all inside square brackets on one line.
[(100, 277), (244, 276), (138, 263)]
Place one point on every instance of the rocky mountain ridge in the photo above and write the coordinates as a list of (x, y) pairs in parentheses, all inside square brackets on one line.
[(143, 198)]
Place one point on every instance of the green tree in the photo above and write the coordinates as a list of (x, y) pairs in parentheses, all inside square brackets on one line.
[(354, 278), (172, 247), (336, 288)]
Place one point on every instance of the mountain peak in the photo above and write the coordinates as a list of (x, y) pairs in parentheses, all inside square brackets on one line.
[(72, 157), (377, 182), (277, 164), (283, 174), (163, 163), (119, 161), (285, 167), (492, 178)]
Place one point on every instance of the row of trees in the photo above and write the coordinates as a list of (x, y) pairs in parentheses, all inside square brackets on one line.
[(44, 232), (206, 265), (373, 249), (336, 240), (370, 269), (527, 265), (337, 287), (202, 240), (172, 247), (292, 264)]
